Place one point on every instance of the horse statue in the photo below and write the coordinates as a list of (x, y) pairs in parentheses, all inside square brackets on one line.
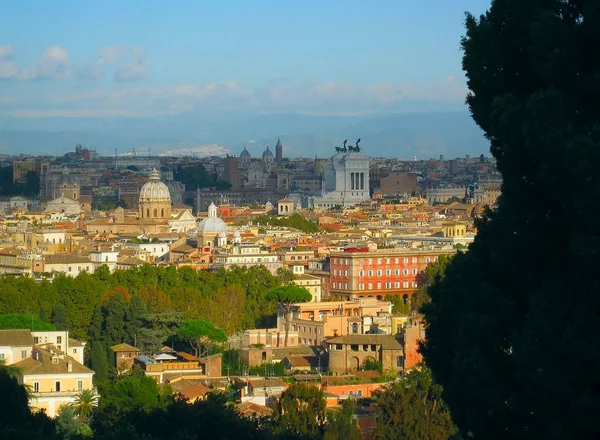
[(338, 149), (357, 148)]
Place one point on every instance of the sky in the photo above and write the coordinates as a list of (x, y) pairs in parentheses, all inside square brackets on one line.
[(150, 58)]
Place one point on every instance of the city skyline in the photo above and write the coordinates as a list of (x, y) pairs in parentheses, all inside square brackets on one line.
[(117, 60)]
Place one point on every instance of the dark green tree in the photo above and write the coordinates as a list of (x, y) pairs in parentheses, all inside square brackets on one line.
[(300, 412), (341, 423), (413, 409), (115, 321), (59, 317), (513, 326), (286, 297), (430, 275), (98, 362)]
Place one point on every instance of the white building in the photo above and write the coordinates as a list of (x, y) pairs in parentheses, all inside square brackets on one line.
[(345, 180)]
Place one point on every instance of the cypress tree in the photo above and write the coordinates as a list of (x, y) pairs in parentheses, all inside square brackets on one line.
[(513, 326)]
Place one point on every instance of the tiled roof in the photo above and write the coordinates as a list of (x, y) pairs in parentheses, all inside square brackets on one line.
[(15, 338), (44, 364), (123, 347)]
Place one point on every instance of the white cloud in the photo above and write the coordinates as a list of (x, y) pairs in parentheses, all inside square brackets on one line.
[(8, 69), (52, 64), (5, 51), (135, 68), (106, 55), (111, 54)]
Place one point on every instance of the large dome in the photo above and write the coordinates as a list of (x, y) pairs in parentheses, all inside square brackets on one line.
[(267, 154), (212, 223), (155, 189), (245, 153)]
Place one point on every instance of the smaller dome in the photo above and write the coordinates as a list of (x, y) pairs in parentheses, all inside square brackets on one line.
[(268, 204), (212, 224), (267, 153), (245, 153)]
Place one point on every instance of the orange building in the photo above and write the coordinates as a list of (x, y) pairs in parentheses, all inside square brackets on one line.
[(360, 273)]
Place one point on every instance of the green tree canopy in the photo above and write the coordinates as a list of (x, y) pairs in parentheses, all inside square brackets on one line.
[(413, 409), (18, 321), (301, 411), (198, 333), (513, 326), (286, 297)]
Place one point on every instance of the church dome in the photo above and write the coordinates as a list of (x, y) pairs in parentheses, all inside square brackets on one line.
[(155, 189), (267, 154), (66, 180), (212, 223), (245, 153)]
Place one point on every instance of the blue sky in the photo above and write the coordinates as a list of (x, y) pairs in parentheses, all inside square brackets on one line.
[(147, 58)]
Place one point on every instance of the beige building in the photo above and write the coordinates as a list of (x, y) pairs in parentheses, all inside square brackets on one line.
[(310, 283), (15, 345), (55, 379), (317, 321), (349, 353)]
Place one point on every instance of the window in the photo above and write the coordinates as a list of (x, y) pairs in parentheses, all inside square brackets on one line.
[(388, 285), (338, 346), (345, 273), (397, 272), (379, 285), (36, 387), (74, 351), (370, 273), (428, 260), (370, 286), (435, 259), (355, 328), (2, 357), (405, 271), (406, 261), (397, 285), (69, 268), (36, 340), (373, 347), (347, 262), (405, 284), (57, 386), (388, 260), (59, 339), (414, 284), (361, 273), (414, 260), (400, 361), (79, 385), (361, 286), (334, 272), (346, 286), (335, 285), (23, 354), (379, 273), (414, 271), (396, 260), (354, 347), (379, 261)]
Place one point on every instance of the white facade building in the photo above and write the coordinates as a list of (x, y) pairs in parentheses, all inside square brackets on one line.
[(345, 180)]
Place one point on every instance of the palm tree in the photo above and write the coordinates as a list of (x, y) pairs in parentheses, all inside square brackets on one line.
[(84, 404)]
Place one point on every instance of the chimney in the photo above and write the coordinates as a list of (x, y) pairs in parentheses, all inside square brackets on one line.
[(69, 366)]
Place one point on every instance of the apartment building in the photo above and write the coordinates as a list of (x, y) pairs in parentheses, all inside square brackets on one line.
[(378, 273)]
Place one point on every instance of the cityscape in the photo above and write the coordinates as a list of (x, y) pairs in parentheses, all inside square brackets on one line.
[(300, 235)]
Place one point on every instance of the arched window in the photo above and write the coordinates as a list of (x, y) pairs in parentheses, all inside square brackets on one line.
[(355, 328), (162, 212), (155, 212), (147, 212)]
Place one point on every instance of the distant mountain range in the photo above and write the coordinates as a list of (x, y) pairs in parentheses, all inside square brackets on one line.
[(423, 135)]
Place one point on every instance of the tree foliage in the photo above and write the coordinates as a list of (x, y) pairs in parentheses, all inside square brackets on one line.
[(301, 411), (513, 327), (430, 275), (294, 221), (199, 333), (286, 297), (413, 409), (19, 321)]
